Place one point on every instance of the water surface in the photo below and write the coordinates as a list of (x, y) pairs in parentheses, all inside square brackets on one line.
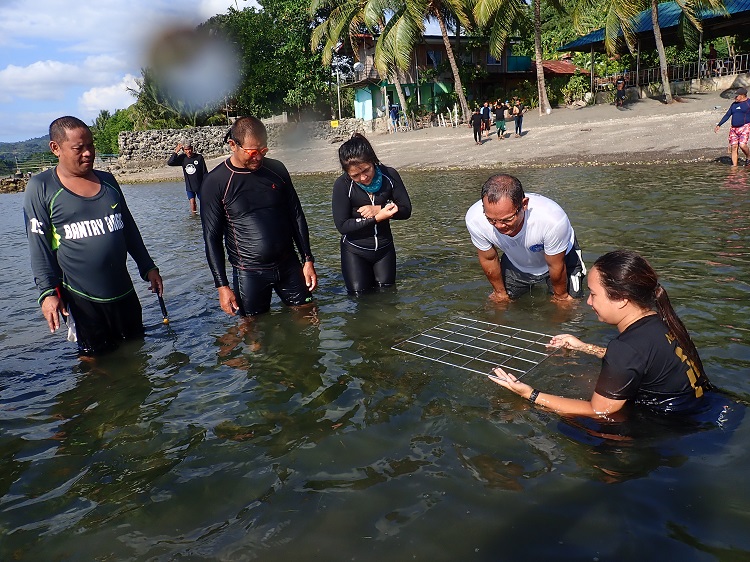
[(304, 436)]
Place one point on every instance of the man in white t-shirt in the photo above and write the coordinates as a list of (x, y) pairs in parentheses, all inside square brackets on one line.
[(535, 236)]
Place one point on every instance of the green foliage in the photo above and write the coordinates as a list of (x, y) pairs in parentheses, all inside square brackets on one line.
[(278, 69), (528, 93), (155, 109), (576, 88), (106, 128), (21, 150)]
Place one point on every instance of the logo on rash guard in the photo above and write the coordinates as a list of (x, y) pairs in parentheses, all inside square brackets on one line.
[(536, 248), (96, 227)]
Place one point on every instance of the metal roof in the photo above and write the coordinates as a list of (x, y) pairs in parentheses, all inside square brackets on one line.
[(715, 24), (559, 67)]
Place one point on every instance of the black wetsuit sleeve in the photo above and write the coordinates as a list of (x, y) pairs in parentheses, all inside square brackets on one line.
[(136, 247), (47, 273), (400, 195), (176, 159), (213, 218), (344, 210)]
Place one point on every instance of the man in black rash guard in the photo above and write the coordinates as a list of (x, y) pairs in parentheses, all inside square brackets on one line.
[(80, 232), (193, 168), (249, 203)]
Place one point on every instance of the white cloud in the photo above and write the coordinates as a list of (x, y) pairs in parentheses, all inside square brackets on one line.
[(59, 57), (42, 80), (112, 98), (209, 8), (52, 79)]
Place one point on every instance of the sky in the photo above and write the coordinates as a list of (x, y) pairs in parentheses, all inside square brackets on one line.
[(76, 58)]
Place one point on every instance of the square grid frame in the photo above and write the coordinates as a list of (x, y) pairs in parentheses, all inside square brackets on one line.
[(478, 346)]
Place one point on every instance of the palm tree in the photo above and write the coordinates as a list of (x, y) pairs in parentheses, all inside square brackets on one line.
[(501, 16), (345, 22), (438, 9), (407, 25), (660, 50), (541, 85), (620, 19)]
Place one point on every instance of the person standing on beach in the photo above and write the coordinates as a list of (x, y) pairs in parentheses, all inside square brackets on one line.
[(620, 93), (249, 203), (518, 110), (475, 121), (366, 197), (536, 237), (394, 118), (739, 131), (80, 232), (500, 109), (193, 168), (486, 112), (712, 55)]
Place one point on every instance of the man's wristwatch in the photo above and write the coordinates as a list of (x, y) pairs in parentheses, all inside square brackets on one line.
[(309, 259)]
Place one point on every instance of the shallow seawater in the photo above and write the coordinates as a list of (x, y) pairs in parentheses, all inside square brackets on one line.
[(304, 436)]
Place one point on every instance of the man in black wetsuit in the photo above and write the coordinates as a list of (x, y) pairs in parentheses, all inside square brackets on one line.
[(193, 168), (80, 233), (249, 202)]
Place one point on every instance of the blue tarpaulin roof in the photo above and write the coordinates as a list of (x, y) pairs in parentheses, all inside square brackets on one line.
[(715, 24)]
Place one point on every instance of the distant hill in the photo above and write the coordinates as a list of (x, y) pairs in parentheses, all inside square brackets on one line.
[(23, 149)]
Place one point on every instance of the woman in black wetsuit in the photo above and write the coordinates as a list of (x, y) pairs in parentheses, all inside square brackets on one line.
[(365, 197), (652, 362)]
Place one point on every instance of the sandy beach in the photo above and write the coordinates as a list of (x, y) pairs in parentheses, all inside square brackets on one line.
[(645, 131)]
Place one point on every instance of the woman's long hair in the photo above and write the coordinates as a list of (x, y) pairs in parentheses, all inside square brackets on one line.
[(357, 150), (624, 274)]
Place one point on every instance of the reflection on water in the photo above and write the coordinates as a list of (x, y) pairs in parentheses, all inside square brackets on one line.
[(301, 433)]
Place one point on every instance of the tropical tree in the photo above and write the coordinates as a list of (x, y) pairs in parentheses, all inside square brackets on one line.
[(407, 25), (501, 17), (544, 106), (106, 129), (443, 11), (157, 108), (620, 19), (344, 23)]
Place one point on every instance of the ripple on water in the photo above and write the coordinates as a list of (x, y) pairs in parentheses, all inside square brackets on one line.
[(303, 432)]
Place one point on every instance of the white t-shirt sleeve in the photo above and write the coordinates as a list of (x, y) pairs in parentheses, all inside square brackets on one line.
[(558, 236), (476, 223)]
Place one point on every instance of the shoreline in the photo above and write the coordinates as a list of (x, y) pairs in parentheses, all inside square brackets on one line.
[(645, 132)]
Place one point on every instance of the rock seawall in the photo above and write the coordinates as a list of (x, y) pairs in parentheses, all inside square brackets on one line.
[(13, 185), (142, 149)]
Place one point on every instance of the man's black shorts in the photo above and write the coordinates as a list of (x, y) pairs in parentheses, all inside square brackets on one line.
[(252, 287), (101, 326)]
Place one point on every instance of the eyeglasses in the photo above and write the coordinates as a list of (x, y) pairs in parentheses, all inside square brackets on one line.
[(252, 152), (506, 221)]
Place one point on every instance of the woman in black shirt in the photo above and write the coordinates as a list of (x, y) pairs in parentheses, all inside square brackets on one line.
[(652, 362)]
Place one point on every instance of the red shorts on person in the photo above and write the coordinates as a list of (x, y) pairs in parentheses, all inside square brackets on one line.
[(739, 135)]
